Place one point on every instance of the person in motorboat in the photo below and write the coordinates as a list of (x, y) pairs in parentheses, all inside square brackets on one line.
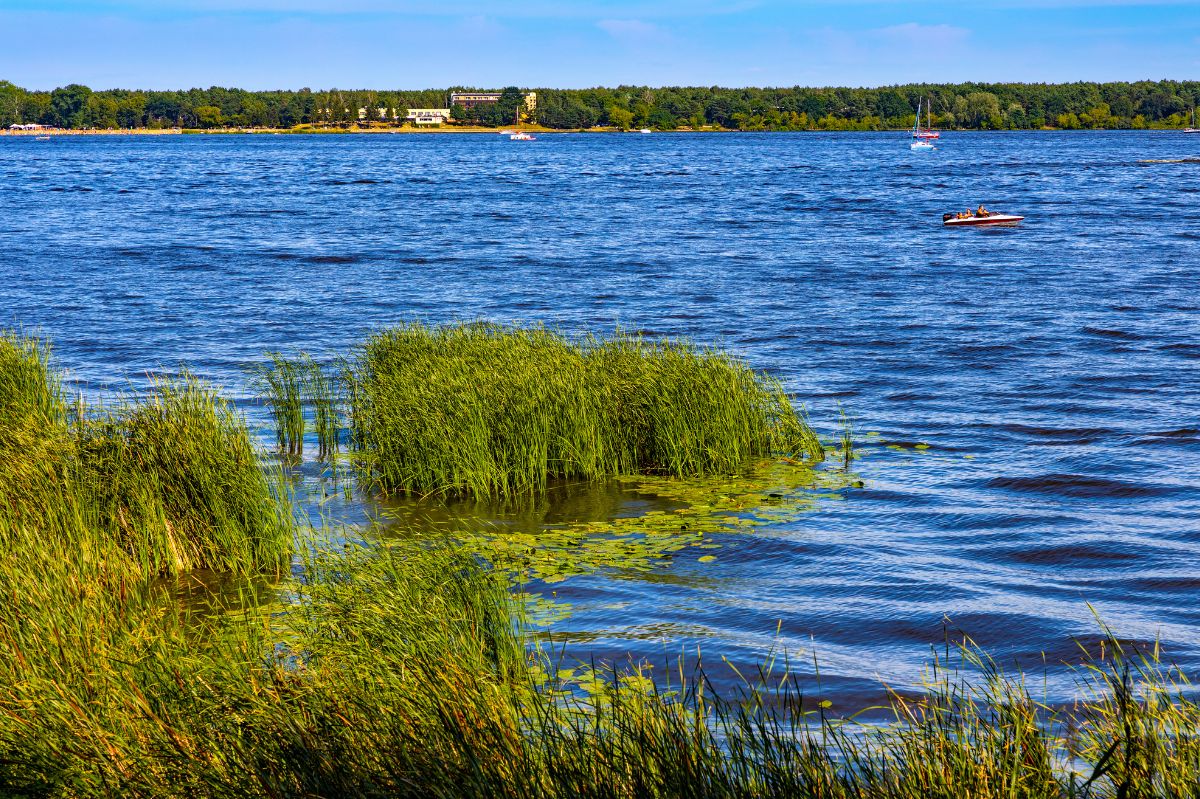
[(981, 211)]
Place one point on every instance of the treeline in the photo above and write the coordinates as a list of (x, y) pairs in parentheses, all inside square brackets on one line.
[(985, 106)]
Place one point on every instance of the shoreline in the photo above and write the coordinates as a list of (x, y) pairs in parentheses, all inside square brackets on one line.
[(311, 131)]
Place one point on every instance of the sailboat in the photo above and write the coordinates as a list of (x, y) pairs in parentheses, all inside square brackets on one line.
[(919, 142), (1193, 128), (927, 132), (520, 135)]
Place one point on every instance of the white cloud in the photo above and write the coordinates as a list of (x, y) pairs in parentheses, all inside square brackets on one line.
[(915, 35), (628, 29), (481, 27)]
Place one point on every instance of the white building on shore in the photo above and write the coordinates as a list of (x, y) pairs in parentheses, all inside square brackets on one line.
[(428, 116)]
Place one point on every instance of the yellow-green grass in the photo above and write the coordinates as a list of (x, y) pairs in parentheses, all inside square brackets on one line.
[(489, 410), (405, 672), (166, 483)]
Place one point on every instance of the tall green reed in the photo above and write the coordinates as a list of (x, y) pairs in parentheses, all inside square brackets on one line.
[(490, 410), (290, 385), (170, 479), (281, 381)]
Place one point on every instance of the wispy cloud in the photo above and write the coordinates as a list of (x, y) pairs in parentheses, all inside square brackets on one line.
[(916, 35), (480, 26), (629, 29)]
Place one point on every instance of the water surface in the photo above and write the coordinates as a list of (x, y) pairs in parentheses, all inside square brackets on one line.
[(1053, 369)]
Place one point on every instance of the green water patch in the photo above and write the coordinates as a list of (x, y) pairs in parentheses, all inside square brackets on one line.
[(676, 520)]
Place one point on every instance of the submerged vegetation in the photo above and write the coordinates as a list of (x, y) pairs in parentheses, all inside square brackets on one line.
[(408, 668)]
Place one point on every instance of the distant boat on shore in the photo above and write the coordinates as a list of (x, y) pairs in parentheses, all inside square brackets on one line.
[(518, 134), (1192, 128)]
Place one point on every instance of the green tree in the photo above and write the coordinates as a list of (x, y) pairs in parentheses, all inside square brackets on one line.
[(208, 116), (982, 110), (11, 100), (131, 111), (102, 111), (69, 105), (510, 104), (620, 118)]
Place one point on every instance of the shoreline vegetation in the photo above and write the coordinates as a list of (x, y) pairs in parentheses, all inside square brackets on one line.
[(356, 130), (393, 667), (1163, 104)]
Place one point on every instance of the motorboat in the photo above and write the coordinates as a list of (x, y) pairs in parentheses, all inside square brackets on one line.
[(976, 219), (918, 144), (645, 130)]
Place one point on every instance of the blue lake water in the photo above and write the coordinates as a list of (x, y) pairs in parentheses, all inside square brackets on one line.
[(1053, 369)]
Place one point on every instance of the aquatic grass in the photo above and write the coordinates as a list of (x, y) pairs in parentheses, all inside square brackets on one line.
[(290, 385), (323, 388), (495, 411), (404, 671), (162, 483), (34, 436), (281, 381), (174, 476)]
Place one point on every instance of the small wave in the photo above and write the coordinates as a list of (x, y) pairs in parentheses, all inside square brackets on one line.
[(1182, 432), (1077, 486), (333, 259), (357, 182), (1083, 555), (1059, 435), (1110, 333), (910, 396)]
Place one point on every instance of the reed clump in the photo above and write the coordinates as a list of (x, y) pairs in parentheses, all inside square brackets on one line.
[(494, 411), (164, 483), (174, 477)]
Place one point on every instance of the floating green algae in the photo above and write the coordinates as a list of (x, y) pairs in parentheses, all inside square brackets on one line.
[(698, 516)]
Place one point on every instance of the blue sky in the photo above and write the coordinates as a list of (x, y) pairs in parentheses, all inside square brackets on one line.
[(262, 44)]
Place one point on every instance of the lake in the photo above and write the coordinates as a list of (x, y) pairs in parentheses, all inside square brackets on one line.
[(1033, 392)]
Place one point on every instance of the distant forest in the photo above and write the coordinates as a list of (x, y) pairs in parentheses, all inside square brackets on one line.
[(986, 106)]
